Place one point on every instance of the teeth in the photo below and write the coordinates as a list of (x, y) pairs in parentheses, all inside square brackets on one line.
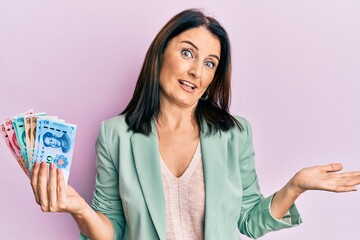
[(187, 84)]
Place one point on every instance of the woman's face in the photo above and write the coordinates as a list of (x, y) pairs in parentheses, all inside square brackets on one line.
[(188, 66)]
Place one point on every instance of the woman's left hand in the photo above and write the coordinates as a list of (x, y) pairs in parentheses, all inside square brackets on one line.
[(327, 178)]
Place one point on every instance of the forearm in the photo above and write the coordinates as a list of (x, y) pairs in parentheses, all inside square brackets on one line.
[(94, 225), (283, 200)]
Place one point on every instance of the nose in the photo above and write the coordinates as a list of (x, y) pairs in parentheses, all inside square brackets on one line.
[(195, 70)]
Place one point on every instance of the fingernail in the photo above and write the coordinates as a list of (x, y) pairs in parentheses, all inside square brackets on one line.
[(59, 171), (43, 164)]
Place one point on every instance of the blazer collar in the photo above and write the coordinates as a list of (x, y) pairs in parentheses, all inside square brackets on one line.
[(147, 162)]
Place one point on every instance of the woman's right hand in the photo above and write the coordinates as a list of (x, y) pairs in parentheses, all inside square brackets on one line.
[(50, 192)]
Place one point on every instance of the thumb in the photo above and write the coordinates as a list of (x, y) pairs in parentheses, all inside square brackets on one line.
[(333, 167)]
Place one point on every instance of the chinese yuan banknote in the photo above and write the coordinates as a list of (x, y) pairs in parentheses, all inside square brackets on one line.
[(55, 144), (36, 131), (12, 143), (19, 129), (30, 134), (34, 137)]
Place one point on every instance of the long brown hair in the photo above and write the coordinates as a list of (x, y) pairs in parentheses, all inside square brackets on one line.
[(144, 104)]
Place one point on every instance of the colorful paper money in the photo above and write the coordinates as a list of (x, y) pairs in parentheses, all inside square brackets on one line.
[(55, 144), (12, 142), (19, 129), (36, 137), (30, 134), (8, 134), (27, 121)]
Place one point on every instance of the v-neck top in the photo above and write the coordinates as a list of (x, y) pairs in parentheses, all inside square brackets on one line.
[(185, 200)]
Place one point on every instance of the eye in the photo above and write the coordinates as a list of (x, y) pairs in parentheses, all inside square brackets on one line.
[(186, 53), (209, 64)]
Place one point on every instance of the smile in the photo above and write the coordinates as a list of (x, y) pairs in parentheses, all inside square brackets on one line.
[(189, 84)]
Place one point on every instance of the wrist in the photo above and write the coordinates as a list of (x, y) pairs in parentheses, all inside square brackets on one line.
[(294, 186), (82, 211)]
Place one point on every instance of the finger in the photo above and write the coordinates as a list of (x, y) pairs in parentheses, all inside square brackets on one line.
[(350, 175), (51, 188), (346, 178), (346, 186), (61, 191), (333, 167), (345, 189), (353, 179), (42, 187), (343, 184), (34, 180)]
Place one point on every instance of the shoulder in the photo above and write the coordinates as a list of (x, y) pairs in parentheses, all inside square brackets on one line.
[(115, 127), (117, 122), (242, 120), (247, 130), (240, 137)]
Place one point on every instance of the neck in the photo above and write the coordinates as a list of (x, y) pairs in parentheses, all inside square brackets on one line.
[(176, 118)]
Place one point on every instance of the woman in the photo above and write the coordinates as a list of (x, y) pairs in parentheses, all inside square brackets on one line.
[(175, 164)]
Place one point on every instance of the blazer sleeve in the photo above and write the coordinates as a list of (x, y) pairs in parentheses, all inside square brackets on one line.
[(106, 195), (255, 218)]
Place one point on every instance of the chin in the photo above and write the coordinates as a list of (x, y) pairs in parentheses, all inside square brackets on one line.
[(187, 102)]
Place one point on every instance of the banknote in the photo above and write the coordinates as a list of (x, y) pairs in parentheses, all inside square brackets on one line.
[(19, 129), (35, 126), (55, 143), (33, 122), (28, 112), (18, 126), (6, 138), (36, 143), (14, 146), (29, 135), (27, 121)]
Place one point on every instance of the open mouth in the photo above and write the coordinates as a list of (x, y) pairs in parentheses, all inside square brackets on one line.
[(183, 82)]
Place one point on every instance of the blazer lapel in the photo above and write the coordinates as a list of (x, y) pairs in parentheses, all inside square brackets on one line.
[(214, 155), (146, 156)]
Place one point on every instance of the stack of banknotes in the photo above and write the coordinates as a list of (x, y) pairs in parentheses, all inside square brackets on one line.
[(36, 137)]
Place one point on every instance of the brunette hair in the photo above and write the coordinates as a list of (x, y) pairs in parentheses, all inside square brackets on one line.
[(144, 104)]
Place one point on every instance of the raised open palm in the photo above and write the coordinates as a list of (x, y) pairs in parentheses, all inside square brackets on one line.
[(327, 178)]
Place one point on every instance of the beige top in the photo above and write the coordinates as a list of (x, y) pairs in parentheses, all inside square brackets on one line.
[(185, 200)]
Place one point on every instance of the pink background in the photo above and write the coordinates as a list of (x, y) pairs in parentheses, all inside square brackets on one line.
[(296, 77)]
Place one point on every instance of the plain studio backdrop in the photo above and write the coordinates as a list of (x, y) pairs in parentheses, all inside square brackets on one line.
[(296, 78)]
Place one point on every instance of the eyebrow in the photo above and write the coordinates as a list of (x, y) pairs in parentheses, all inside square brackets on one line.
[(211, 55)]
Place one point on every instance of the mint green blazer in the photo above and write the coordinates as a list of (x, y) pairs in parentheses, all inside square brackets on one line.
[(129, 188)]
